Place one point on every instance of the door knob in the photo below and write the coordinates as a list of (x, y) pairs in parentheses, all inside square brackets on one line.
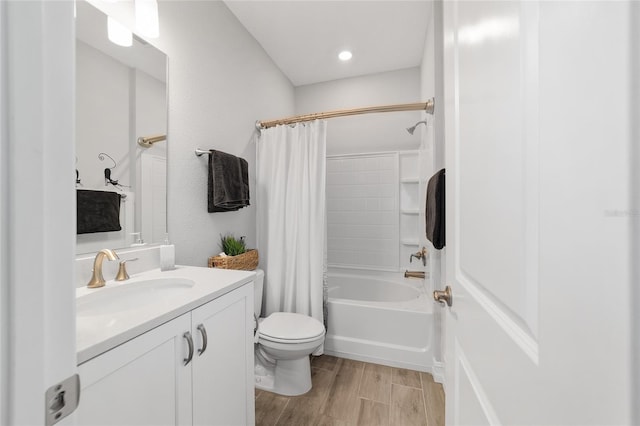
[(443, 296)]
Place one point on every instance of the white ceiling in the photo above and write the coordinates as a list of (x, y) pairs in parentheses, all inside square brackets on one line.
[(304, 37)]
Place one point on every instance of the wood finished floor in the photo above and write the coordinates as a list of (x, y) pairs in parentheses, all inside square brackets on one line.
[(347, 392)]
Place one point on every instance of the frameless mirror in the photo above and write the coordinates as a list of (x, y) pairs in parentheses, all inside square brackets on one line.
[(121, 96)]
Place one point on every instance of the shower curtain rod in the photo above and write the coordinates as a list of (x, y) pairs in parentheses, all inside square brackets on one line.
[(147, 141), (418, 106)]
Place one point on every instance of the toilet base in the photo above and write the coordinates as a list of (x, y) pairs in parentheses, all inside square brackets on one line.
[(288, 378)]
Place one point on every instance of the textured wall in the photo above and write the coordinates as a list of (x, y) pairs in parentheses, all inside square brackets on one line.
[(220, 83)]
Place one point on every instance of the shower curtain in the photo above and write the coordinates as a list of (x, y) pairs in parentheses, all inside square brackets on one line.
[(291, 170)]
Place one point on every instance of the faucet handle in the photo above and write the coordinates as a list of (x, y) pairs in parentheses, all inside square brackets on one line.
[(122, 274), (422, 254)]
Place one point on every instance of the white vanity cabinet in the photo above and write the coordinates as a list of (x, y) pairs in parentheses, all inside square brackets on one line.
[(223, 380), (148, 381)]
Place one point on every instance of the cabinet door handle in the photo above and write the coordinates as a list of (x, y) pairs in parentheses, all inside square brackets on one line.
[(187, 336), (202, 331)]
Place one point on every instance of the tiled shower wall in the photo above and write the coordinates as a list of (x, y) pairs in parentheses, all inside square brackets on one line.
[(362, 211)]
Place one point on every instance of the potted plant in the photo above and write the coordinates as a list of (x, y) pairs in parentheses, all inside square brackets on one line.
[(234, 255)]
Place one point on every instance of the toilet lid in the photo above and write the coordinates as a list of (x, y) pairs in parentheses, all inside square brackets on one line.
[(290, 326)]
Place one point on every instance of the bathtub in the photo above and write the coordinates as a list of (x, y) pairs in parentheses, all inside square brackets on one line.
[(379, 317)]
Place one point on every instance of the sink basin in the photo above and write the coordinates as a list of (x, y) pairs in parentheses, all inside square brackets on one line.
[(130, 296)]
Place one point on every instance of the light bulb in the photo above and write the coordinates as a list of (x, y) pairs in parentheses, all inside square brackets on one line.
[(147, 22), (118, 33)]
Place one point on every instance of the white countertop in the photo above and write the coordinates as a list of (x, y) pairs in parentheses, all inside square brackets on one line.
[(97, 333)]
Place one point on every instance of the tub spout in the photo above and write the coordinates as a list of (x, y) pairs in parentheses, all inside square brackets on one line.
[(413, 274)]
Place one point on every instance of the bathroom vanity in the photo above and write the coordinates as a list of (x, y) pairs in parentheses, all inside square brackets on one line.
[(161, 348), (167, 348)]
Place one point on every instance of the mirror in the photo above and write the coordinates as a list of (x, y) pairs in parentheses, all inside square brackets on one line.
[(121, 96)]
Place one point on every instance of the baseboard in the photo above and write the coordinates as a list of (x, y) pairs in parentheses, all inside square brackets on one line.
[(379, 361), (437, 371)]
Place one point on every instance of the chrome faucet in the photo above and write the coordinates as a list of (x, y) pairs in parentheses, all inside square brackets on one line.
[(97, 280), (422, 254)]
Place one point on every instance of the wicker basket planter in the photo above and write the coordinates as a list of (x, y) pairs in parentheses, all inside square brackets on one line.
[(247, 261)]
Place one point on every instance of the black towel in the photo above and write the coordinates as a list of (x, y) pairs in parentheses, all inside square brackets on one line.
[(228, 183), (97, 211), (435, 210)]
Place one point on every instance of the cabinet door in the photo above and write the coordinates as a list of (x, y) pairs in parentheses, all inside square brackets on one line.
[(141, 382), (223, 380)]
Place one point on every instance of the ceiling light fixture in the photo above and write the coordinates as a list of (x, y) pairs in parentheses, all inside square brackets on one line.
[(147, 22), (345, 55), (118, 33)]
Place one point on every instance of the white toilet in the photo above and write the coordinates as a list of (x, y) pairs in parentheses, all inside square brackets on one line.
[(284, 343)]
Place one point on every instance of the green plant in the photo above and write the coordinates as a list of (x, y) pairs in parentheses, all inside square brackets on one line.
[(232, 246)]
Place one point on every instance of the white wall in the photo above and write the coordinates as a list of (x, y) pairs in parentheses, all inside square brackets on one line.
[(371, 132), (427, 90), (635, 205), (432, 153), (220, 82), (4, 223)]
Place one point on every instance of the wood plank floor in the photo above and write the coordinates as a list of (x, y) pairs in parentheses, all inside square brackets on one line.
[(347, 392)]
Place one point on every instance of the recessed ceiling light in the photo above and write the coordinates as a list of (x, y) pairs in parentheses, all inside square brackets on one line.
[(345, 55)]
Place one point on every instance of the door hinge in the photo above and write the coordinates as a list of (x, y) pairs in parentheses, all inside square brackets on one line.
[(61, 399)]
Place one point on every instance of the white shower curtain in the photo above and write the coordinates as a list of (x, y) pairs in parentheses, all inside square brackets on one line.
[(291, 169)]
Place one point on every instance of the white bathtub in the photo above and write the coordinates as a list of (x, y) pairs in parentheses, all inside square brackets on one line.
[(379, 317)]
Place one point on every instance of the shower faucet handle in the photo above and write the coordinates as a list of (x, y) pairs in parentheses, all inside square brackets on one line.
[(422, 254)]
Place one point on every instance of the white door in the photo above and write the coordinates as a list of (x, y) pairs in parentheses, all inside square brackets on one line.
[(37, 329), (538, 137)]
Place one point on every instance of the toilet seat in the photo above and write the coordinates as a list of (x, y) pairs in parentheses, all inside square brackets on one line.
[(287, 327), (289, 341)]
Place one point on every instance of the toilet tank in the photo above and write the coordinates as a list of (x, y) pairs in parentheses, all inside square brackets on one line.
[(258, 284)]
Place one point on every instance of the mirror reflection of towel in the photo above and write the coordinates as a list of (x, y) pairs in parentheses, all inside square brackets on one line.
[(435, 210), (97, 211), (228, 182)]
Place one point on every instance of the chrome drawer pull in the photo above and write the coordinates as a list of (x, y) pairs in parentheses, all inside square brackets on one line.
[(187, 336), (202, 331)]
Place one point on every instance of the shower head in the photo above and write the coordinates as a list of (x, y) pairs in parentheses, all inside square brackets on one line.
[(413, 128)]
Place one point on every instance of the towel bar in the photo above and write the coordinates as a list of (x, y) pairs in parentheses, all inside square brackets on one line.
[(201, 152)]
